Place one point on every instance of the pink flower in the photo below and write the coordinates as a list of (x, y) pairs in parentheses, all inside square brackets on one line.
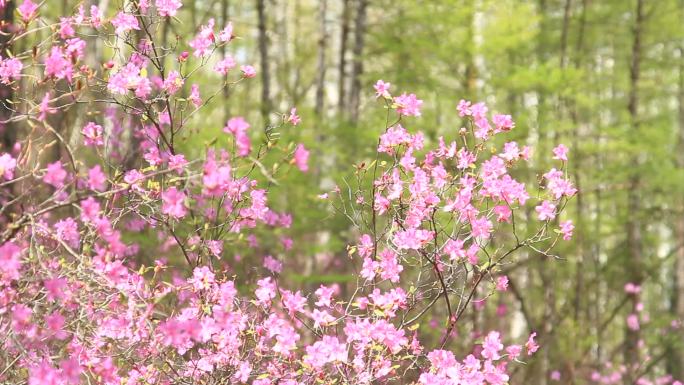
[(226, 34), (412, 238), (502, 283), (382, 89), (173, 82), (481, 227), (177, 162), (44, 374), (238, 126), (492, 346), (96, 16), (566, 229), (195, 98), (27, 10), (66, 231), (10, 69), (464, 108), (631, 288), (55, 175), (66, 29), (265, 291), (390, 266), (203, 40), (168, 7), (408, 105), (301, 158), (202, 278), (560, 152), (225, 65), (248, 71), (174, 203), (10, 261), (92, 133), (7, 166), (124, 22), (325, 294), (327, 350), (272, 264), (44, 108), (546, 211), (633, 322), (71, 370), (503, 213), (96, 179), (294, 118), (555, 375), (57, 65), (503, 122), (531, 345)]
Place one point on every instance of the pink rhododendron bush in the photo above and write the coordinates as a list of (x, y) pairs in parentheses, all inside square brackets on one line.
[(82, 303)]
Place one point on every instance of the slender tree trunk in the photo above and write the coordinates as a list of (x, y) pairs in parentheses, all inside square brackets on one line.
[(633, 226), (225, 7), (322, 43), (263, 53), (357, 67), (342, 66)]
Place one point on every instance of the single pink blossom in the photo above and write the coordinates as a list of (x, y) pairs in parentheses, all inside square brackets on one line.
[(546, 211), (408, 105), (248, 71), (301, 158), (55, 175), (566, 229), (168, 7), (174, 203), (382, 89), (124, 22), (560, 152), (294, 118), (7, 166), (27, 10)]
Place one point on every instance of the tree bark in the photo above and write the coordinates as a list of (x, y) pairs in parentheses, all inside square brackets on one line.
[(263, 54), (357, 67), (322, 42), (633, 226), (342, 66), (225, 7)]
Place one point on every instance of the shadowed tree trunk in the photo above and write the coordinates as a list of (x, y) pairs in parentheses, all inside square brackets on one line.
[(633, 226), (357, 67), (322, 42), (342, 65), (263, 54), (226, 91)]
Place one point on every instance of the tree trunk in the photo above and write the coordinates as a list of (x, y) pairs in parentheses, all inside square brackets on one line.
[(225, 6), (263, 54), (633, 226), (322, 42), (357, 67), (342, 66)]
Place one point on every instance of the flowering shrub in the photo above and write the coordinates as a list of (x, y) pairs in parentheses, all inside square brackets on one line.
[(79, 303)]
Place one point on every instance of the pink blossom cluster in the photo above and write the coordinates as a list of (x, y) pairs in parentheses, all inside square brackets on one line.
[(82, 302)]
